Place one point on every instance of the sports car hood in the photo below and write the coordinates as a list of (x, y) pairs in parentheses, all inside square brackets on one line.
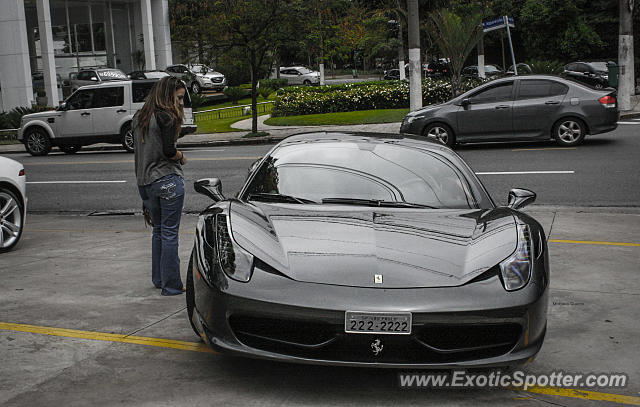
[(406, 247)]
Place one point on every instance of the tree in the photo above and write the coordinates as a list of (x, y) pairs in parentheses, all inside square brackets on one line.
[(456, 38)]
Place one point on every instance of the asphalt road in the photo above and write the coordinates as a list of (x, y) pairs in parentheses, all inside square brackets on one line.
[(601, 172)]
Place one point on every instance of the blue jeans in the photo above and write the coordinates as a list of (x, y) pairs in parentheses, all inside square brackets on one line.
[(164, 199)]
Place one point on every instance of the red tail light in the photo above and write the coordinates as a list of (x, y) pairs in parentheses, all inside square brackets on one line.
[(21, 173), (608, 101)]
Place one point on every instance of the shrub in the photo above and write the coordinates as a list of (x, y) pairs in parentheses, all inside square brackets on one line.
[(198, 100), (359, 96), (234, 93), (265, 92), (273, 83), (11, 119), (545, 67)]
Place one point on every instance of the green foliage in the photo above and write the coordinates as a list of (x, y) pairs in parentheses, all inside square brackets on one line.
[(273, 83), (265, 92), (198, 100), (234, 93), (539, 66), (359, 96), (256, 134), (11, 119)]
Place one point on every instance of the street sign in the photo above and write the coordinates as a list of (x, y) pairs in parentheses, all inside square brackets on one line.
[(496, 24)]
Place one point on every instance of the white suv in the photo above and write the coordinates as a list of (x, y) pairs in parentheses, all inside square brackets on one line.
[(92, 114)]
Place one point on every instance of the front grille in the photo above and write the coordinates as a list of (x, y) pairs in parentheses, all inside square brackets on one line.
[(216, 80), (442, 343)]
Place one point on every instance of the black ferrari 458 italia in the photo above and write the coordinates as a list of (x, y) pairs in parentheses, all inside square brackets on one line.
[(364, 249)]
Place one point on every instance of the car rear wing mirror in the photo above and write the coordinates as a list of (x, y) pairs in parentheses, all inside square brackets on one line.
[(465, 102), (62, 106), (211, 187), (520, 197)]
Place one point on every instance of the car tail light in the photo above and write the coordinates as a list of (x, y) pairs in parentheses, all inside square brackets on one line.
[(608, 101), (21, 173)]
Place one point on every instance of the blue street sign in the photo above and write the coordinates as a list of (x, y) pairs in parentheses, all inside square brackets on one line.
[(496, 24)]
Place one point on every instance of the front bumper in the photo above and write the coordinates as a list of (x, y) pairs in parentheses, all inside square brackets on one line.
[(188, 129), (273, 317)]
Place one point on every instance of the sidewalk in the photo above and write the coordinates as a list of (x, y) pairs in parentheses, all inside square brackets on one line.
[(277, 133)]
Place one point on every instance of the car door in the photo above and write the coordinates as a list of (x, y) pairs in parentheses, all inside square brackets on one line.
[(76, 120), (291, 75), (488, 114), (108, 109), (537, 104)]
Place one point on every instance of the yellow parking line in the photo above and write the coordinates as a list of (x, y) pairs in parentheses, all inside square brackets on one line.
[(586, 395), (544, 149), (131, 161), (101, 336), (595, 242)]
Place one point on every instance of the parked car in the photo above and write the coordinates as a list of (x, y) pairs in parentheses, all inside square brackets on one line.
[(13, 203), (198, 77), (147, 74), (521, 108), (523, 69), (595, 74), (437, 69), (300, 75), (489, 71), (361, 249), (392, 74), (95, 76), (92, 114)]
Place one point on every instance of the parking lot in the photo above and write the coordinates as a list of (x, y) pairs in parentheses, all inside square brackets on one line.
[(81, 323)]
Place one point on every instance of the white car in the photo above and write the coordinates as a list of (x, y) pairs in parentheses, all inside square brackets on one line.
[(300, 75), (92, 114), (13, 203), (198, 77)]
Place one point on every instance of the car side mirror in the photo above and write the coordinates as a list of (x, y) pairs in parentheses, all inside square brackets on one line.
[(465, 102), (211, 187), (519, 198), (93, 78), (62, 106)]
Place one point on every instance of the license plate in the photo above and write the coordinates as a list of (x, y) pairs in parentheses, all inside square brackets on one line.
[(398, 323)]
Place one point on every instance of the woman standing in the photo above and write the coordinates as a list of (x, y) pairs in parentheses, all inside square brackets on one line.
[(158, 165)]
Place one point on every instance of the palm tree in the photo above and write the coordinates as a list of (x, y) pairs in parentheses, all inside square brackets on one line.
[(456, 38)]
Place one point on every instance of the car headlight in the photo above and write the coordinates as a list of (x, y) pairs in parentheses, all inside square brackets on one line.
[(516, 269), (236, 262)]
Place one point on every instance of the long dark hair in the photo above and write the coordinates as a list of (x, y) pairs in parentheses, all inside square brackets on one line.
[(162, 97)]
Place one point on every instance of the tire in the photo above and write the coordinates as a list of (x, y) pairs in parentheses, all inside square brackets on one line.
[(11, 219), (126, 135), (306, 82), (37, 142), (598, 85), (569, 131), (195, 88), (441, 132), (70, 149), (190, 295)]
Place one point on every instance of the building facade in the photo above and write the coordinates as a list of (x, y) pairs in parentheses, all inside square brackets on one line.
[(42, 42)]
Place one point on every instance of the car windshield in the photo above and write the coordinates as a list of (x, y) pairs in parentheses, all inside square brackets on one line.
[(200, 68), (304, 71), (112, 75), (363, 173), (491, 68), (599, 66)]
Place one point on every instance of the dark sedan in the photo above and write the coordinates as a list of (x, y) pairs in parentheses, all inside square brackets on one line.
[(523, 108), (367, 249)]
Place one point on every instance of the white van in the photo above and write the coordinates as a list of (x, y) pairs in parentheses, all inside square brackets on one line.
[(92, 114)]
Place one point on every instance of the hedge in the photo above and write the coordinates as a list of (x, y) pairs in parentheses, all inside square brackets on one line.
[(359, 96)]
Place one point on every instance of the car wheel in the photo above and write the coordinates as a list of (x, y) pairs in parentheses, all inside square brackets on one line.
[(598, 85), (190, 295), (36, 142), (195, 88), (70, 149), (11, 219), (127, 137), (306, 82), (569, 131), (441, 132)]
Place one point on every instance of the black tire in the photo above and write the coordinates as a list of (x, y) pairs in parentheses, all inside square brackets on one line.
[(126, 135), (569, 131), (441, 132), (11, 220), (70, 149), (190, 295), (598, 85), (306, 82), (195, 88), (37, 142)]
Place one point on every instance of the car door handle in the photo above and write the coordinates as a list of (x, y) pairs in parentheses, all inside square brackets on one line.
[(121, 111), (502, 107), (551, 102), (85, 114)]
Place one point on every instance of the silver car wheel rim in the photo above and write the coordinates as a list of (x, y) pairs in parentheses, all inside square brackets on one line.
[(195, 88), (36, 142), (439, 133), (569, 131), (128, 139), (10, 220)]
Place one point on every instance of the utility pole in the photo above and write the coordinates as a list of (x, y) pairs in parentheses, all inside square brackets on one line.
[(481, 72), (626, 67), (415, 69), (400, 49)]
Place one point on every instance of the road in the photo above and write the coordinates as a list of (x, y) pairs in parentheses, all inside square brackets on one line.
[(601, 172)]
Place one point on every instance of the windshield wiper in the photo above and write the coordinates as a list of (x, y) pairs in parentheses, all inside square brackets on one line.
[(272, 197), (375, 202)]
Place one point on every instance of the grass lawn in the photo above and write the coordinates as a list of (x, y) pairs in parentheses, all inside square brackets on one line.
[(220, 125), (342, 118), (207, 123), (245, 101)]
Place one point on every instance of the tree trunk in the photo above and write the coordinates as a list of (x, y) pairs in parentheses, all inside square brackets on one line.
[(626, 66)]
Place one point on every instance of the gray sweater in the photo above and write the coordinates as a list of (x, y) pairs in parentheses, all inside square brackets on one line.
[(150, 162)]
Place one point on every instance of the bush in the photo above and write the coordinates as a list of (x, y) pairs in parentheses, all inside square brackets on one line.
[(11, 119), (545, 67), (234, 93), (265, 92), (273, 83), (359, 96), (198, 100)]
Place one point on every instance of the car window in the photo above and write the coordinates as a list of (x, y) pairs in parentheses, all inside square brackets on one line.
[(495, 93), (140, 91), (531, 89), (83, 76), (108, 97), (82, 99), (93, 76)]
